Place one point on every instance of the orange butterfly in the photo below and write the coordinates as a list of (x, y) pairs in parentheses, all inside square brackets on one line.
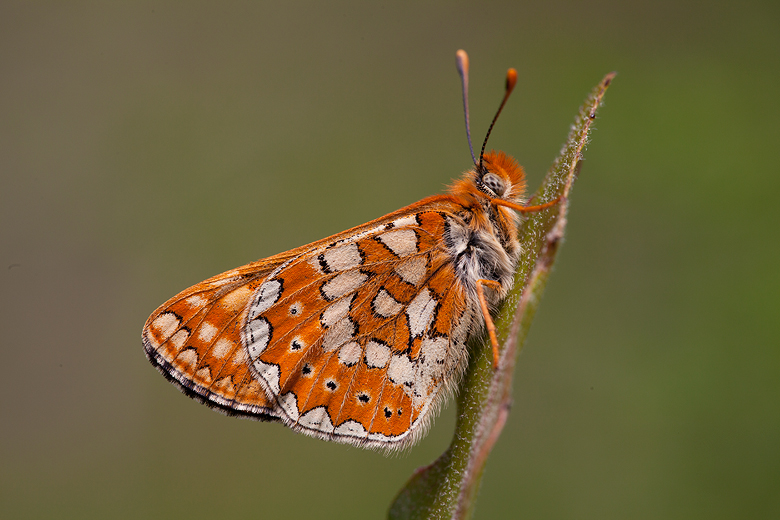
[(359, 337)]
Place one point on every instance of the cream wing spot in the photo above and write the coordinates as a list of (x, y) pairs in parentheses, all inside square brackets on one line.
[(188, 358), (196, 301), (430, 367), (222, 348), (402, 242), (343, 284), (166, 324), (207, 332), (377, 354), (240, 357), (203, 375), (412, 271), (385, 305), (335, 312), (225, 385), (420, 312), (236, 299), (349, 354), (339, 334), (295, 309), (180, 338)]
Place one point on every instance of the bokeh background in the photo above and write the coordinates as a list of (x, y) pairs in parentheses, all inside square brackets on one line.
[(145, 146)]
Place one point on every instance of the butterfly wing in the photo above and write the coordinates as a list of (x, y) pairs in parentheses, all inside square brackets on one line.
[(194, 340), (357, 340)]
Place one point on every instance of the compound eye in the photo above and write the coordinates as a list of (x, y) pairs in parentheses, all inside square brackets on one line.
[(494, 183)]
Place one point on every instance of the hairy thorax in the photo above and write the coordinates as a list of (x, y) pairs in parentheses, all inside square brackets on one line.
[(484, 249)]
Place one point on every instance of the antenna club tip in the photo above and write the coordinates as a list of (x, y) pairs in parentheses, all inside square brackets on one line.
[(462, 58), (511, 79)]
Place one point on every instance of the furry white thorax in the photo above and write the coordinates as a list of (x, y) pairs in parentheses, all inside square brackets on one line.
[(478, 253)]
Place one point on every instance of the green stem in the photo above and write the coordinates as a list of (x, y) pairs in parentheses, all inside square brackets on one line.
[(448, 487)]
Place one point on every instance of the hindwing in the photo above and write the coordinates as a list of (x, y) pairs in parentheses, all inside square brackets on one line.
[(357, 340)]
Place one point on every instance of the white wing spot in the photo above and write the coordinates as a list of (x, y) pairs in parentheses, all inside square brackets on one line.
[(385, 305), (430, 368), (258, 333), (349, 354), (269, 373), (351, 429), (410, 220), (336, 311), (207, 332), (434, 350), (340, 333), (401, 372), (413, 270), (420, 312), (343, 284), (265, 296), (402, 242), (377, 354), (342, 258), (317, 419), (289, 404)]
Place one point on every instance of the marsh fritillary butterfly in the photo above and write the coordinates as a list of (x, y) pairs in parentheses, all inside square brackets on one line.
[(359, 337)]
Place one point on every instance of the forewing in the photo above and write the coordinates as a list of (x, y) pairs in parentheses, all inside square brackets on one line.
[(358, 340)]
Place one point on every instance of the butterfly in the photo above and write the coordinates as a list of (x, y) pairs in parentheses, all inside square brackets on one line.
[(360, 337)]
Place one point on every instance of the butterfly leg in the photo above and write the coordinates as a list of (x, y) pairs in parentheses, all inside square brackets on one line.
[(486, 313)]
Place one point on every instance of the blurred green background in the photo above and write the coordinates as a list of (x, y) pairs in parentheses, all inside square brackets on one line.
[(146, 146)]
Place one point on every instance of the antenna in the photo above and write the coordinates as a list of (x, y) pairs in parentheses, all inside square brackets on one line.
[(462, 62), (511, 81)]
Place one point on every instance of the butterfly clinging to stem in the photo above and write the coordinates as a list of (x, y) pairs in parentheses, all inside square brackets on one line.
[(359, 337)]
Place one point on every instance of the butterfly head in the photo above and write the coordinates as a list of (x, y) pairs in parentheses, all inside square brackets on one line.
[(499, 179)]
